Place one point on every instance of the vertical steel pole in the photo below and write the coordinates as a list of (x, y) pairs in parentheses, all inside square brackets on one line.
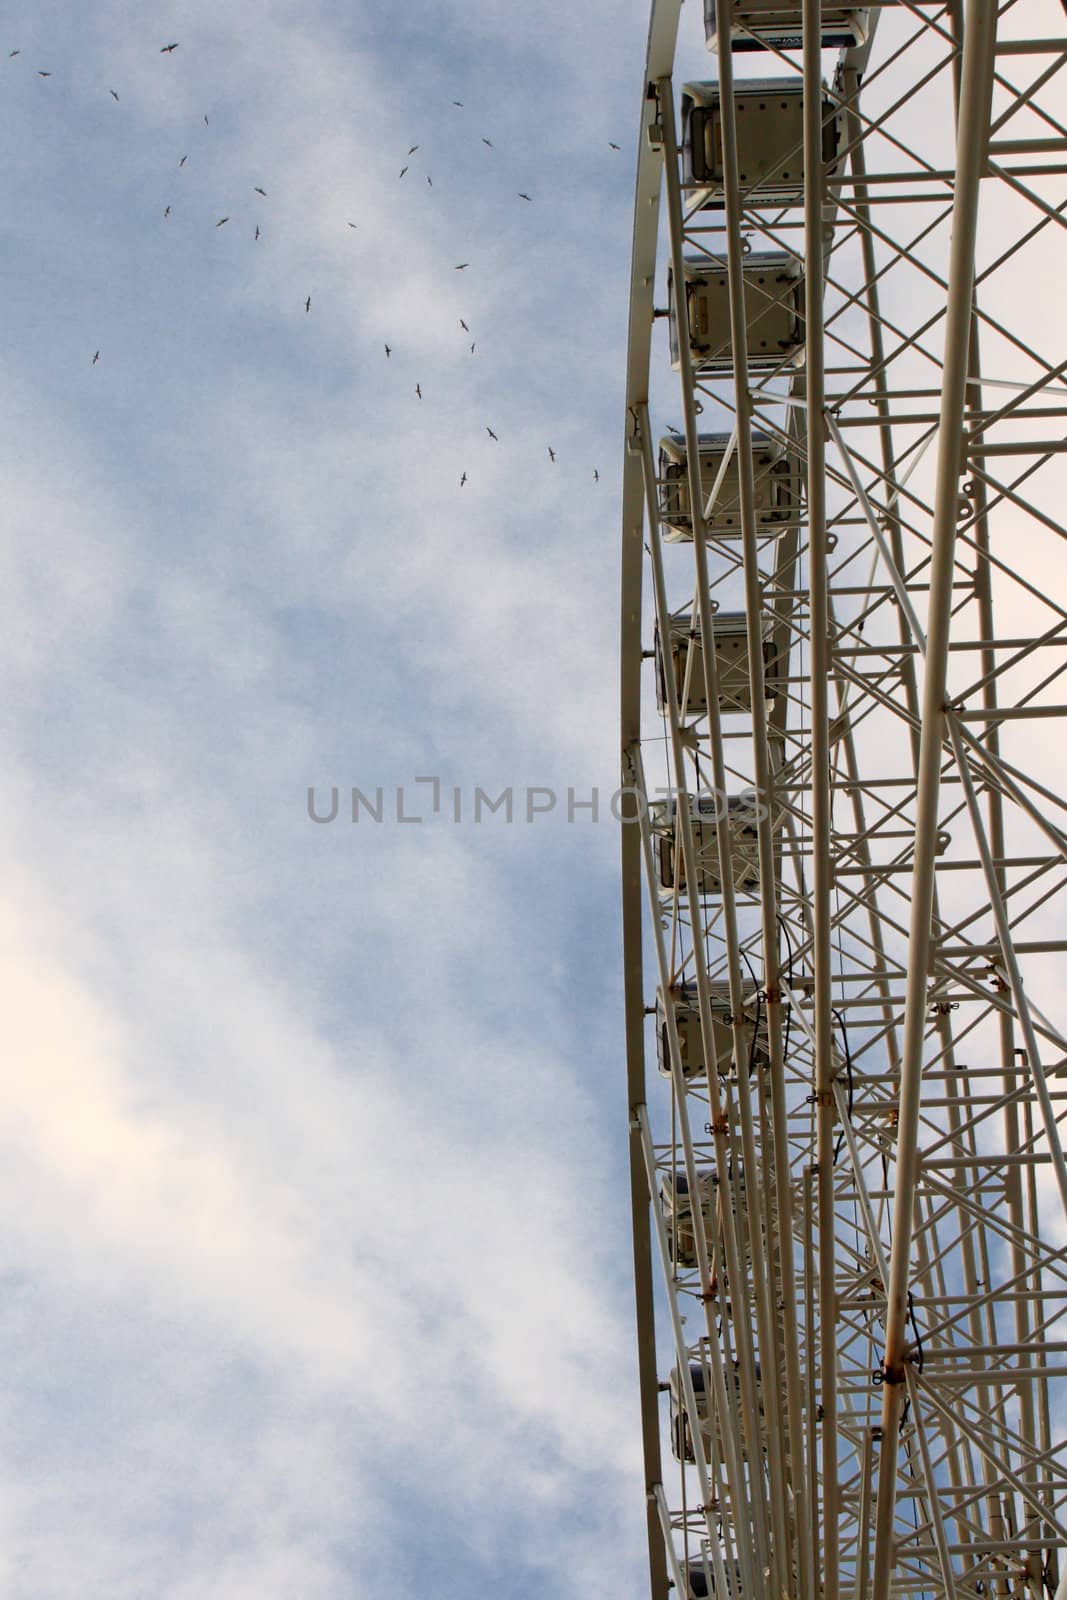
[(821, 803), (979, 41), (764, 778)]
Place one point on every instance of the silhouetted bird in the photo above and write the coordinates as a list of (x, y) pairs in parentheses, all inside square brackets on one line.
[(402, 171), (206, 122), (168, 49), (489, 142), (95, 359), (457, 103), (463, 480), (418, 391), (221, 221), (429, 180), (613, 146), (112, 93), (491, 434), (388, 352), (353, 224), (44, 74), (183, 160), (166, 214), (461, 266), (12, 53), (257, 231), (472, 349), (414, 147), (523, 196), (551, 453), (463, 325), (258, 190), (596, 476), (307, 303)]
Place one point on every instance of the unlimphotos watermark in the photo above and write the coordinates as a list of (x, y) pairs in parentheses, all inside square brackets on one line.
[(516, 803)]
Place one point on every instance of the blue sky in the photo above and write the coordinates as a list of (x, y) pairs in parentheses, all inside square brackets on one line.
[(314, 1136)]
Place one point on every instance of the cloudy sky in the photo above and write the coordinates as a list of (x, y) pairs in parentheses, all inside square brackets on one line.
[(316, 1277), (313, 1135)]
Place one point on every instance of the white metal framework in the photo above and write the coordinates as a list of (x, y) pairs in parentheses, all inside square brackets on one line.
[(844, 641)]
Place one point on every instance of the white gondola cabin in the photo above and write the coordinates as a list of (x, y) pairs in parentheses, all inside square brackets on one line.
[(690, 1041), (686, 655), (774, 313), (681, 1436), (676, 1207), (770, 25), (742, 816), (770, 140), (700, 1586), (709, 1423), (778, 479)]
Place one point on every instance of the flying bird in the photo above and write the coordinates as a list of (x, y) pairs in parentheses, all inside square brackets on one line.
[(463, 325), (612, 146), (596, 476), (489, 142), (462, 265), (402, 171), (388, 352), (95, 359), (429, 180), (458, 103), (551, 453), (491, 434), (258, 190), (183, 160), (472, 349), (166, 214), (418, 391), (353, 224), (168, 49), (112, 93), (463, 480), (257, 232), (414, 147), (307, 303), (221, 221), (524, 196), (13, 53), (206, 122), (41, 74)]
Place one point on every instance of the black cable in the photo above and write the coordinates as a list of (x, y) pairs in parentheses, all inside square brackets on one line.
[(915, 1331), (789, 982), (839, 1019), (759, 1010), (918, 1365)]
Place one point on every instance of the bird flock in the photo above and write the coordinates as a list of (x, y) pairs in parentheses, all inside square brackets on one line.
[(168, 50)]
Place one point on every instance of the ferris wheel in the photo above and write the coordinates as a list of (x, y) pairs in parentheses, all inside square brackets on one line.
[(844, 842)]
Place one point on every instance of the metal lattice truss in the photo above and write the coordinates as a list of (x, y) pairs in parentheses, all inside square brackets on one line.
[(844, 648)]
